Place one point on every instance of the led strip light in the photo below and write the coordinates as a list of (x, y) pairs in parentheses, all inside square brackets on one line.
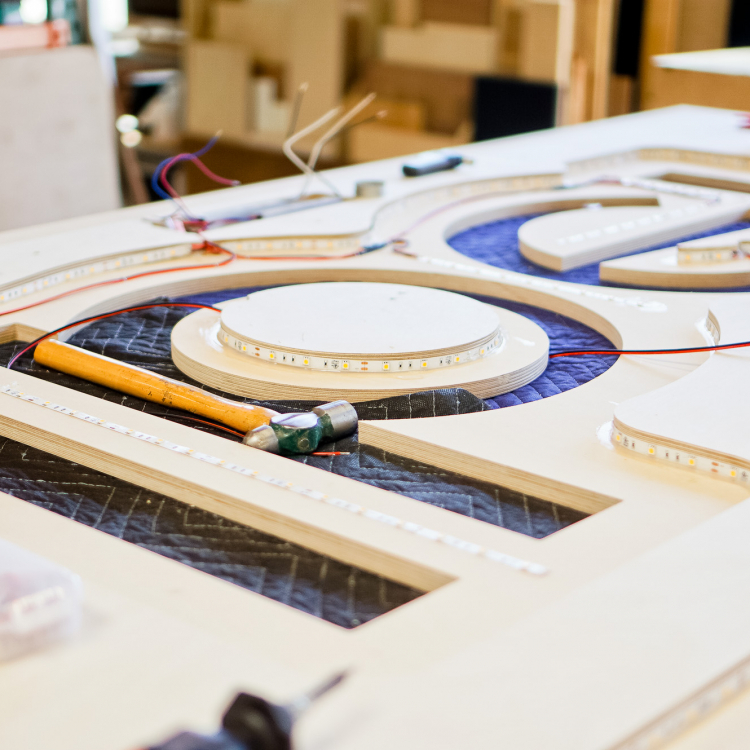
[(374, 515), (632, 224), (291, 244), (659, 186), (287, 244), (687, 255), (422, 200), (677, 457), (334, 364), (694, 257), (90, 269), (467, 189), (693, 711), (519, 279)]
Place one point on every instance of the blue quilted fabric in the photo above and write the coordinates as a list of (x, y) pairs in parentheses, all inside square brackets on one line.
[(275, 568), (564, 373), (496, 244)]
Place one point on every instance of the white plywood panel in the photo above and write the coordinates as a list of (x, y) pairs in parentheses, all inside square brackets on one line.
[(495, 639), (577, 238), (57, 137)]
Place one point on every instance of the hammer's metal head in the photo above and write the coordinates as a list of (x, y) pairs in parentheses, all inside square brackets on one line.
[(338, 419), (263, 438)]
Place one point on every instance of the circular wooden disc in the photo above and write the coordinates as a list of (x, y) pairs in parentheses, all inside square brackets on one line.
[(196, 350), (360, 320)]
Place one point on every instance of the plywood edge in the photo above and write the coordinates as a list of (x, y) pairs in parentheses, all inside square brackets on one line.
[(316, 538), (679, 445), (586, 501), (551, 203), (554, 262), (663, 279)]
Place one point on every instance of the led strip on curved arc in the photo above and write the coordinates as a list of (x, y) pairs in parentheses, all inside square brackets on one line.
[(520, 279), (370, 513), (428, 198), (83, 270), (689, 459), (691, 712), (341, 364), (655, 217), (292, 244), (708, 257), (513, 184)]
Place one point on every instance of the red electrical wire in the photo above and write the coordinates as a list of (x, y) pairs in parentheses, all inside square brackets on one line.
[(198, 163), (360, 251), (107, 315), (141, 275), (618, 352)]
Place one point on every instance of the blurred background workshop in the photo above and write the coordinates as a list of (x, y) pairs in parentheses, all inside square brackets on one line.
[(368, 357), (169, 74)]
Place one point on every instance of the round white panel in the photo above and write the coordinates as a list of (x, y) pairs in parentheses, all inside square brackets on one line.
[(360, 320), (403, 332)]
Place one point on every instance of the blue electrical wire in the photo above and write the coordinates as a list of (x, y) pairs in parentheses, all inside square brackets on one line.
[(157, 188)]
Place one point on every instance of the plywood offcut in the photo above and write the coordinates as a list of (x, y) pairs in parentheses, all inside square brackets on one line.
[(356, 320)]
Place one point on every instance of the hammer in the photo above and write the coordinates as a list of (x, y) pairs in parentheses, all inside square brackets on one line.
[(266, 429)]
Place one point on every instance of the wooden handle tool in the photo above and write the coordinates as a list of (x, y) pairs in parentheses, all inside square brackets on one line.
[(141, 383)]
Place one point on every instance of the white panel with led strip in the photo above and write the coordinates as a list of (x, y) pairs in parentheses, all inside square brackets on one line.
[(716, 262), (622, 609), (485, 349)]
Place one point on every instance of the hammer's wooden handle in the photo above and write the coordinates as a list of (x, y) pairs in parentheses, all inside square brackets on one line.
[(146, 385)]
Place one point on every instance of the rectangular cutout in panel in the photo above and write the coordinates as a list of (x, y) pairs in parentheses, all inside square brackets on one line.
[(260, 562), (514, 486), (489, 502), (484, 501)]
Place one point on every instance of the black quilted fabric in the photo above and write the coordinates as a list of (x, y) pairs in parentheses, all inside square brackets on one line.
[(492, 504), (285, 572), (270, 566)]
